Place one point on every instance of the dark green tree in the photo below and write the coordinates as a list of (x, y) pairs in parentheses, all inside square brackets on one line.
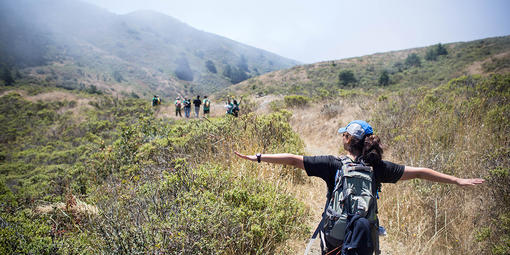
[(435, 51), (346, 77), (210, 66), (384, 78), (413, 60), (238, 75), (441, 50), (93, 90), (234, 74), (183, 71), (431, 54), (7, 76)]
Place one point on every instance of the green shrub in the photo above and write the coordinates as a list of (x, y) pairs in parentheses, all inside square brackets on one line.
[(202, 210), (346, 77), (413, 60), (459, 128), (159, 185), (296, 101)]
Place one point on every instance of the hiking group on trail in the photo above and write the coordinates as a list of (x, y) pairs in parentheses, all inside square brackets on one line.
[(232, 106), (184, 103), (156, 100), (349, 222)]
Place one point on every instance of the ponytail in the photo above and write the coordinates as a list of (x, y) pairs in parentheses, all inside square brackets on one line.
[(372, 150)]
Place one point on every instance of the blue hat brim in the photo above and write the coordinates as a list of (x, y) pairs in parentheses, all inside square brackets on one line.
[(342, 130)]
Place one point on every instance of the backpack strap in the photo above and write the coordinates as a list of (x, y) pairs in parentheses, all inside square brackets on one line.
[(339, 174), (319, 226)]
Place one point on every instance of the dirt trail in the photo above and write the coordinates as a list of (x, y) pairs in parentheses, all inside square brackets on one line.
[(167, 110), (319, 133)]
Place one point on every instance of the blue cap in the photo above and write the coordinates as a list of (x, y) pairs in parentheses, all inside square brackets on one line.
[(357, 128)]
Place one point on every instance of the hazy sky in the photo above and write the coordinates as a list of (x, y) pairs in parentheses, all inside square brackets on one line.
[(311, 31)]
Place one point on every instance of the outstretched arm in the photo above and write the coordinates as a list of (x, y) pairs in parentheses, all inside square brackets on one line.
[(431, 175), (282, 158)]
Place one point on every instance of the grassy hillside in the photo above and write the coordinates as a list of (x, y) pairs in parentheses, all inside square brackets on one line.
[(83, 171), (75, 45), (93, 174), (457, 128), (448, 113), (330, 79)]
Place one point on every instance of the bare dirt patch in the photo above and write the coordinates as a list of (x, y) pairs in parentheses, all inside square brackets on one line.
[(476, 67), (81, 103), (78, 206), (21, 92)]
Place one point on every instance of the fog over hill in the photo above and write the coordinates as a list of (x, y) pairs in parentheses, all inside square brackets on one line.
[(73, 44)]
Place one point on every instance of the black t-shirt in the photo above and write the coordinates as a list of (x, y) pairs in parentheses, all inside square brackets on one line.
[(197, 102), (326, 167)]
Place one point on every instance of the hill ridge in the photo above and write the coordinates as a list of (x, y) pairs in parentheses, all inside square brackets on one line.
[(156, 46)]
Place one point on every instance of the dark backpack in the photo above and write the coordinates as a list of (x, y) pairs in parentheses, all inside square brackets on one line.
[(355, 193), (235, 110)]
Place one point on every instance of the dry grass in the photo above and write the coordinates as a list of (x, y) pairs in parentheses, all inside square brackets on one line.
[(476, 67), (320, 133), (413, 225), (79, 207), (82, 103), (321, 138), (23, 93)]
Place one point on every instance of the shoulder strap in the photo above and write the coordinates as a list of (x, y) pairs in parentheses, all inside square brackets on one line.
[(319, 226), (345, 159)]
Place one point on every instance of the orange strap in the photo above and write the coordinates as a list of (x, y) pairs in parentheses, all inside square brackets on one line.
[(330, 252)]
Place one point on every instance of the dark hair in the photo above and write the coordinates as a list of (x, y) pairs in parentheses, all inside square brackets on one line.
[(368, 149), (372, 150)]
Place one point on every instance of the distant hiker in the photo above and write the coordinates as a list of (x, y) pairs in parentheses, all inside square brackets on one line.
[(229, 106), (235, 108), (155, 100), (187, 107), (197, 102), (207, 105), (349, 224), (178, 105)]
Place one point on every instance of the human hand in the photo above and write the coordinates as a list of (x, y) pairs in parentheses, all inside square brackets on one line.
[(469, 182), (250, 157)]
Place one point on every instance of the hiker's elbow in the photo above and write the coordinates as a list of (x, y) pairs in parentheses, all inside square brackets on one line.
[(413, 173), (297, 161)]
